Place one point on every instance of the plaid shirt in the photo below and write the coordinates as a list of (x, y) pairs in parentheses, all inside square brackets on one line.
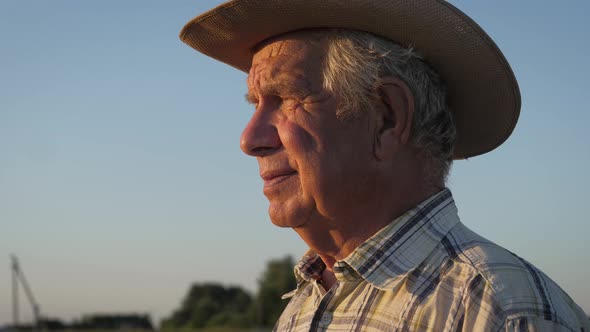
[(428, 272)]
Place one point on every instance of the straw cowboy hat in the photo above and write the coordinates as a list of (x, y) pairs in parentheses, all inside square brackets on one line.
[(482, 91)]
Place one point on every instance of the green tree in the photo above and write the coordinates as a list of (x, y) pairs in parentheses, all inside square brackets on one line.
[(276, 280), (211, 304)]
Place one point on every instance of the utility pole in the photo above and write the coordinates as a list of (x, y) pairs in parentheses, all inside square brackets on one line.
[(14, 291), (19, 276)]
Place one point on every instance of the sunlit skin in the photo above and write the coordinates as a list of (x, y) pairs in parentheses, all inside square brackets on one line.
[(335, 182)]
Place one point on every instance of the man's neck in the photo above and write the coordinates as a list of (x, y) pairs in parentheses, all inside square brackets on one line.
[(335, 239), (334, 244)]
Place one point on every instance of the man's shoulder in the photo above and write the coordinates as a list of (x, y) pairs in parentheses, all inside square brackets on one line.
[(518, 287)]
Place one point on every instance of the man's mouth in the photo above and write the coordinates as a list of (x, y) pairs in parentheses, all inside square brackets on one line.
[(272, 178)]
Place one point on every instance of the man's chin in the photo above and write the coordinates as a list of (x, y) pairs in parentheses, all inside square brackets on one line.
[(286, 222), (286, 218)]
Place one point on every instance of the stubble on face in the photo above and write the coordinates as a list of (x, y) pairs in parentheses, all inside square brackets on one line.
[(327, 155), (279, 87)]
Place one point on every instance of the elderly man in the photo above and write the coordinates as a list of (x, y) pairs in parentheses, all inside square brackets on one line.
[(360, 108)]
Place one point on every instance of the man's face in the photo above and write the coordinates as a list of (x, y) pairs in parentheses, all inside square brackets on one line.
[(314, 165)]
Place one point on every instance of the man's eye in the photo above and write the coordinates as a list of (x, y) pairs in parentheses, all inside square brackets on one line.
[(274, 101), (290, 102), (294, 101)]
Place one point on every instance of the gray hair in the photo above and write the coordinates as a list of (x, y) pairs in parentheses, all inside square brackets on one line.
[(353, 67)]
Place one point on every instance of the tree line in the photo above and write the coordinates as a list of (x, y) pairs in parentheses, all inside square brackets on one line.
[(88, 323), (215, 305)]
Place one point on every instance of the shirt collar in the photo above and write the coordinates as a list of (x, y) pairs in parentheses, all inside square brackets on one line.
[(393, 252), (397, 249), (309, 268)]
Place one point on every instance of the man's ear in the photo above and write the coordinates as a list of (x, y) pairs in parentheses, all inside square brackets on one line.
[(394, 117)]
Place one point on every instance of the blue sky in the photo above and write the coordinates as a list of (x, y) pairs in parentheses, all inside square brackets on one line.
[(121, 178)]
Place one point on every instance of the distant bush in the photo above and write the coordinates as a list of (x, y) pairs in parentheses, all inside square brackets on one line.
[(94, 322), (211, 305), (113, 322)]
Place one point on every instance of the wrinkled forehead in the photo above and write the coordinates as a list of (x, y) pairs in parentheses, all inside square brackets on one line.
[(293, 56)]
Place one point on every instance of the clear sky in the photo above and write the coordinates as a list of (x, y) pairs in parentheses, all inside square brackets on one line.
[(121, 178)]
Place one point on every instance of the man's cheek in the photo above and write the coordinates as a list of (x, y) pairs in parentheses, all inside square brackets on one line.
[(297, 139)]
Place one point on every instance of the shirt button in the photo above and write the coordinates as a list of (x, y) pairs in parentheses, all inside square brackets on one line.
[(326, 318)]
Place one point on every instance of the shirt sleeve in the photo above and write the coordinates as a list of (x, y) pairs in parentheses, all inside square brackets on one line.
[(483, 312), (536, 324)]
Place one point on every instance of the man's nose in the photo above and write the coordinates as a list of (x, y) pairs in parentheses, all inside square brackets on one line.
[(260, 137)]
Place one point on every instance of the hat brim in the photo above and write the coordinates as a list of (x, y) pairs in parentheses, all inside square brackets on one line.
[(483, 93)]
